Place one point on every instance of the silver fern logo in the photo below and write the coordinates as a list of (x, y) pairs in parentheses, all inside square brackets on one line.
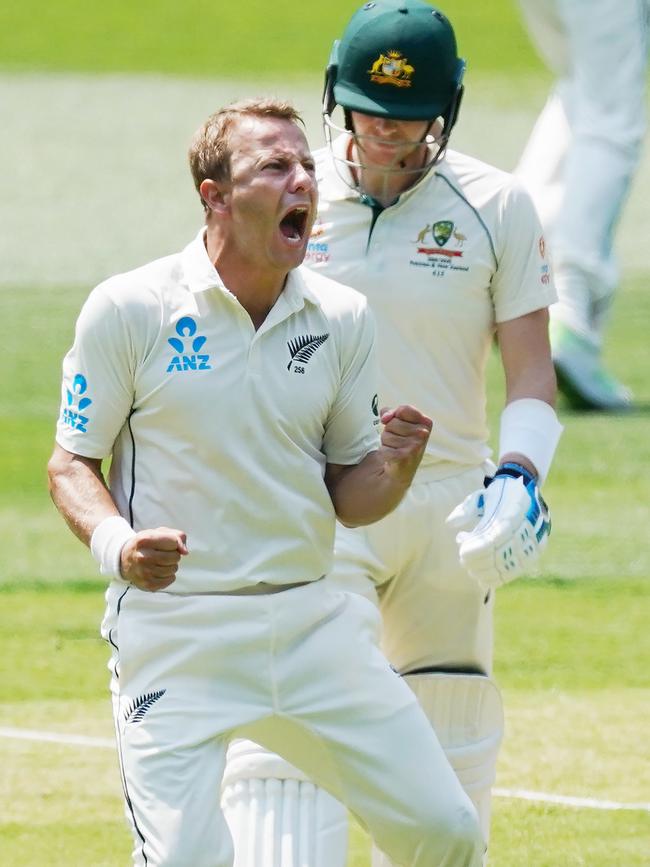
[(139, 706), (302, 349)]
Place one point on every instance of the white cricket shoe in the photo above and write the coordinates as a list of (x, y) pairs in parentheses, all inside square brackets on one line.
[(581, 376)]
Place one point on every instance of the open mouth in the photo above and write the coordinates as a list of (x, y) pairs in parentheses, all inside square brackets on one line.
[(293, 225)]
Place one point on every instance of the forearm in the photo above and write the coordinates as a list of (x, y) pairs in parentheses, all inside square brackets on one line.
[(148, 559), (79, 492), (529, 429), (369, 490), (365, 493), (526, 356), (538, 388)]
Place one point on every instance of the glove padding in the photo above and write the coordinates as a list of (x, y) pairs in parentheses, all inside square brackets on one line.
[(510, 526)]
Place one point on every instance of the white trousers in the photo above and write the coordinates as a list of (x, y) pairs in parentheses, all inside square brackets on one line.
[(585, 147), (299, 672), (434, 614)]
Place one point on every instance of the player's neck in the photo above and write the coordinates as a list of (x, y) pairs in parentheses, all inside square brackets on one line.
[(256, 286)]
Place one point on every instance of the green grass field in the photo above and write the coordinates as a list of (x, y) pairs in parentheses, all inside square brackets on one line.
[(196, 38), (95, 181)]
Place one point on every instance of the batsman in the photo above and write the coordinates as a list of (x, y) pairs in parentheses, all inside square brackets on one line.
[(449, 252)]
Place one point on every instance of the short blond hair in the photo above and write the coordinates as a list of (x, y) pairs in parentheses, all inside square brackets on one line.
[(209, 153)]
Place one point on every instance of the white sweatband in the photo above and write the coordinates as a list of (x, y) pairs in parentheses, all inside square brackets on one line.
[(531, 428), (107, 541)]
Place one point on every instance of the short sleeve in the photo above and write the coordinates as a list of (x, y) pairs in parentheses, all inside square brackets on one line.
[(523, 281), (97, 386), (352, 429)]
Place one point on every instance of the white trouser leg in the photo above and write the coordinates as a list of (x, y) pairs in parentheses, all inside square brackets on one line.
[(277, 817), (466, 713), (433, 613), (355, 728), (585, 147)]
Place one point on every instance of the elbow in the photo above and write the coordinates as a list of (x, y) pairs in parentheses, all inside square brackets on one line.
[(348, 522), (55, 472), (345, 517), (360, 520), (60, 467)]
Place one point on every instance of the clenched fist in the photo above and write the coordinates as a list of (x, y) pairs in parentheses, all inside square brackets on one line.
[(150, 559)]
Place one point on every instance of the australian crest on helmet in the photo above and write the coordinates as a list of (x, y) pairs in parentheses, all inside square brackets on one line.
[(392, 68)]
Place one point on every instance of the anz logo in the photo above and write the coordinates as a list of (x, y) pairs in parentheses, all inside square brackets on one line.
[(188, 348), (301, 350), (72, 413)]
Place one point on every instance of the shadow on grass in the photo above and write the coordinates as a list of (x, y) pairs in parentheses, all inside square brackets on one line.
[(640, 408), (58, 587)]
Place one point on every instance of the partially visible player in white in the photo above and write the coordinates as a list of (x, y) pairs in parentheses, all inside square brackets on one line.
[(236, 393), (578, 165), (450, 254)]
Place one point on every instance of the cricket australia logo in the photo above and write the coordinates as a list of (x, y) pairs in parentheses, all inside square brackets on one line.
[(443, 251), (137, 709), (188, 348), (392, 68), (73, 413), (441, 231), (301, 350)]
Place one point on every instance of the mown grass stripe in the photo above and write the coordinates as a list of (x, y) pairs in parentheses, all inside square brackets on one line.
[(518, 794), (568, 800), (56, 738)]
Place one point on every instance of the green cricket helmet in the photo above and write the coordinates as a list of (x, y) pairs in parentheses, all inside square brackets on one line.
[(397, 59)]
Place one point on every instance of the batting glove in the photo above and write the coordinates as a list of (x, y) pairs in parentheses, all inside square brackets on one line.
[(503, 527)]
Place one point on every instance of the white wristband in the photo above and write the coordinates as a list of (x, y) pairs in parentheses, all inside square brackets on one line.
[(531, 428), (107, 541)]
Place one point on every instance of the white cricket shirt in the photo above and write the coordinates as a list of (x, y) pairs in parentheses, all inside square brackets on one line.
[(216, 429), (457, 253)]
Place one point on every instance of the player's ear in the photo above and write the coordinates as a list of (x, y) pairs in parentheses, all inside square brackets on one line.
[(215, 195)]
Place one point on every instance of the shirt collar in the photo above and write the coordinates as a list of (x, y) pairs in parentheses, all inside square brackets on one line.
[(198, 271), (200, 275), (297, 289)]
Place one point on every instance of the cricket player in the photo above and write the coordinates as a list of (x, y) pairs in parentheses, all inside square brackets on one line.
[(236, 394), (578, 165), (450, 254)]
